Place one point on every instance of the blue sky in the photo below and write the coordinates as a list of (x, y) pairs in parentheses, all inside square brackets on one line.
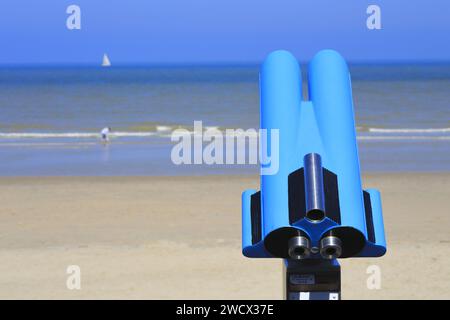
[(220, 31)]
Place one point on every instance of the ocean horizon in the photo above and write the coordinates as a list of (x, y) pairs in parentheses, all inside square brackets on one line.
[(51, 116)]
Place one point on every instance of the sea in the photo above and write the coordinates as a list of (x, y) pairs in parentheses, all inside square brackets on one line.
[(51, 117)]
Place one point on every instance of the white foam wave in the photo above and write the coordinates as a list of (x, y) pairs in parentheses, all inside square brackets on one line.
[(167, 133), (409, 130), (133, 134), (403, 138), (37, 135), (163, 128)]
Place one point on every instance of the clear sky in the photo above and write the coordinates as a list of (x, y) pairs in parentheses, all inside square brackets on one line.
[(220, 31)]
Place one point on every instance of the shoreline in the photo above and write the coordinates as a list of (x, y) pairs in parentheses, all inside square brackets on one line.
[(153, 158), (179, 237)]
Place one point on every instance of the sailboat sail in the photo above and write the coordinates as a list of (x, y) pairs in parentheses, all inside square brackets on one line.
[(106, 62)]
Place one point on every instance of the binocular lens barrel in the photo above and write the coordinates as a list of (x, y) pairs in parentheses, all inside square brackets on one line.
[(330, 247), (314, 189), (299, 247)]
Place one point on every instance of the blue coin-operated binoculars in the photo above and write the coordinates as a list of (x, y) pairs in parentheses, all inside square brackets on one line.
[(313, 209)]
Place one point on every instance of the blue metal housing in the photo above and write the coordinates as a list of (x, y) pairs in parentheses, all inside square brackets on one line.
[(323, 125)]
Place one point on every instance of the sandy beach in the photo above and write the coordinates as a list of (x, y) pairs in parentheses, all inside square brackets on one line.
[(179, 237)]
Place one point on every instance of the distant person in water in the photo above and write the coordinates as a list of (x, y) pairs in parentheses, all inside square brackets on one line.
[(105, 134)]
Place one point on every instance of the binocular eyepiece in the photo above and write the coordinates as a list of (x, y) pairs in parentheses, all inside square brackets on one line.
[(299, 248), (330, 247)]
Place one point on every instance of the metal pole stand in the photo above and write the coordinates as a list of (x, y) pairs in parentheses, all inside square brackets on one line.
[(312, 279)]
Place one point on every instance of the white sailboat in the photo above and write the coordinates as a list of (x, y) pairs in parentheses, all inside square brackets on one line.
[(106, 62)]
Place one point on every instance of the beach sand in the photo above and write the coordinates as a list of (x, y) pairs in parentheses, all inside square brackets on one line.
[(179, 238)]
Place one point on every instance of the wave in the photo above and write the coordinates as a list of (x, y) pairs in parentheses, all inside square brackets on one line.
[(409, 130), (163, 128), (167, 131), (37, 135), (159, 131), (384, 137)]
